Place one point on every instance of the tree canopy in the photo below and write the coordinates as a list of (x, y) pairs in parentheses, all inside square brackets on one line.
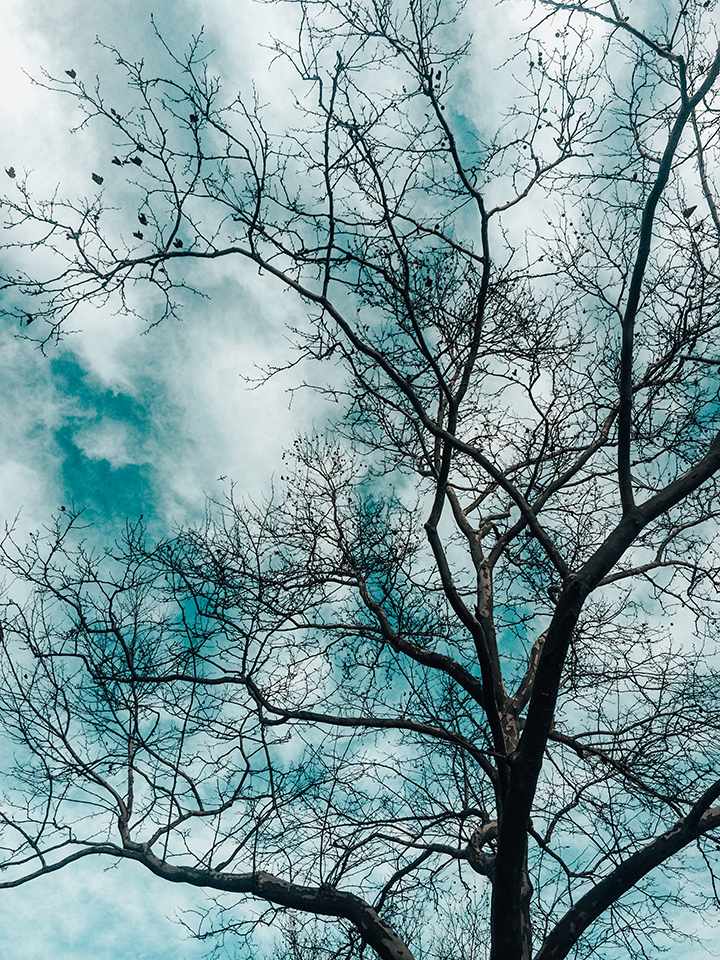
[(451, 688)]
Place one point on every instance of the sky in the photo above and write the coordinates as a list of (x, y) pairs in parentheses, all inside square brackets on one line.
[(120, 420), (123, 421)]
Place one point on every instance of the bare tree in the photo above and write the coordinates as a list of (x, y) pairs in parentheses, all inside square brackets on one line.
[(466, 648)]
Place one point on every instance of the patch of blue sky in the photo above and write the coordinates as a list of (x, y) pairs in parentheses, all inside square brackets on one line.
[(105, 472)]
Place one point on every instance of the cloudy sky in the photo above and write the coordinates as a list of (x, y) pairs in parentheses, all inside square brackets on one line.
[(114, 421), (122, 421)]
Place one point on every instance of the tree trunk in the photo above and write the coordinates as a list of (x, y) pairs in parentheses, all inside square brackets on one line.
[(510, 930)]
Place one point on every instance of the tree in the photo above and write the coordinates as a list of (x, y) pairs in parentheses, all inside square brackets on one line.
[(443, 655)]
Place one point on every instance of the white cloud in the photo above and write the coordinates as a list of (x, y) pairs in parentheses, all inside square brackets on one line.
[(108, 440)]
